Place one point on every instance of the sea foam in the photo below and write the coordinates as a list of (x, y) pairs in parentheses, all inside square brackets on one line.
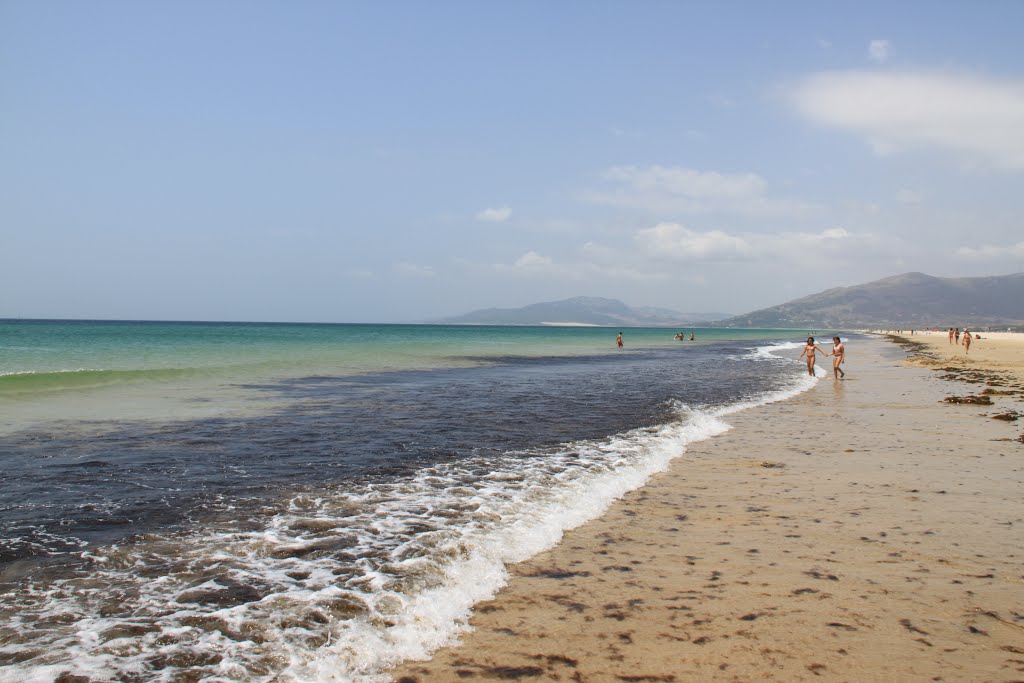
[(340, 584)]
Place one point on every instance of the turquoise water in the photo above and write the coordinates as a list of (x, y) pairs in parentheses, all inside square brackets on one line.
[(44, 357), (341, 494)]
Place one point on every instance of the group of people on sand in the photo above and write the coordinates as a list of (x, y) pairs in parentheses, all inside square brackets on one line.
[(954, 338), (838, 354)]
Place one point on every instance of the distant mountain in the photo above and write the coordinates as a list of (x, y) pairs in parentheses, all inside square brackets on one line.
[(911, 300), (583, 310)]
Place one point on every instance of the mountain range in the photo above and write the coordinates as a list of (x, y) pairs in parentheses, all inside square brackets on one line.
[(583, 310), (910, 300)]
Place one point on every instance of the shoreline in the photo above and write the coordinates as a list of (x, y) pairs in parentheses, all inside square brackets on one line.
[(862, 530)]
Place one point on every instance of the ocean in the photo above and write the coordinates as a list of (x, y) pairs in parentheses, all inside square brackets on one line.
[(288, 502)]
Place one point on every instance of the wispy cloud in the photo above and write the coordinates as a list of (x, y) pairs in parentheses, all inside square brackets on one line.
[(980, 119), (992, 253), (595, 262), (879, 51), (532, 259), (676, 189), (494, 215), (677, 243), (674, 253), (414, 270)]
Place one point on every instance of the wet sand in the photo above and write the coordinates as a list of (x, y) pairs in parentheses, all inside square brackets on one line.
[(864, 531)]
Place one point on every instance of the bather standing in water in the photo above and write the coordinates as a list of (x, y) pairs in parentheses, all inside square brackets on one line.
[(810, 351)]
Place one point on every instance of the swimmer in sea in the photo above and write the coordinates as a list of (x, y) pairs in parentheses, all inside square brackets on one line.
[(810, 350), (618, 340), (839, 353)]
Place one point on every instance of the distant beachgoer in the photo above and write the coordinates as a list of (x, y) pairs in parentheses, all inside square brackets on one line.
[(956, 335), (693, 337), (839, 355), (951, 335), (810, 350), (967, 340), (618, 340)]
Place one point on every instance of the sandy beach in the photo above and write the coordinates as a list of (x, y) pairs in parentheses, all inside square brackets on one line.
[(999, 351), (866, 530)]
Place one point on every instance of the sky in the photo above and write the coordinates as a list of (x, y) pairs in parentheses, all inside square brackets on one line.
[(404, 161)]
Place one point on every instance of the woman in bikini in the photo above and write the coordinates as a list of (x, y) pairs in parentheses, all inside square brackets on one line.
[(810, 350), (839, 351)]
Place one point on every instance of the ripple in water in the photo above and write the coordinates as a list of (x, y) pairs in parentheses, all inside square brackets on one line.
[(338, 580)]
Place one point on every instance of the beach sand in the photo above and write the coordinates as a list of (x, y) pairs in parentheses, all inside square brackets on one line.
[(1000, 351), (862, 531)]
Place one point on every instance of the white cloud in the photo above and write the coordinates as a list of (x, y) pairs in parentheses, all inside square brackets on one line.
[(598, 262), (879, 51), (494, 215), (414, 270), (531, 263), (688, 182), (680, 243), (801, 244), (676, 189), (600, 253), (532, 259), (980, 119), (991, 253), (671, 254)]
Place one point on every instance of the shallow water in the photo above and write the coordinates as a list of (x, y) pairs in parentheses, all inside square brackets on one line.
[(355, 518)]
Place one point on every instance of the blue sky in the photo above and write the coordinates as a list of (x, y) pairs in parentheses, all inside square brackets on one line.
[(373, 162)]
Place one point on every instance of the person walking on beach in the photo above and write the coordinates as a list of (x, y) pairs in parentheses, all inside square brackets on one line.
[(839, 355), (967, 340), (951, 336), (956, 335), (810, 350), (618, 340)]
